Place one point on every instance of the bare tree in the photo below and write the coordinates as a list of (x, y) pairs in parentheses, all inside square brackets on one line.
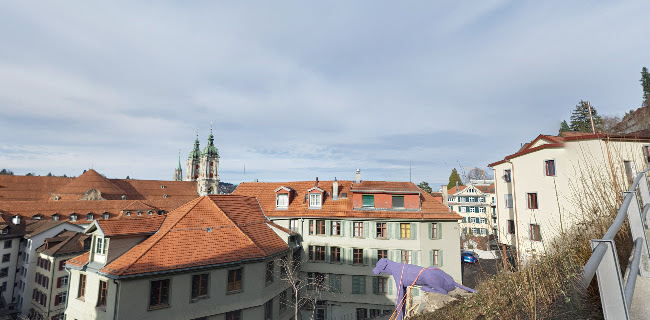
[(475, 174), (610, 123), (306, 288)]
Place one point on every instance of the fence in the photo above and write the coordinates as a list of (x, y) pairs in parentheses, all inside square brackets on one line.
[(616, 296)]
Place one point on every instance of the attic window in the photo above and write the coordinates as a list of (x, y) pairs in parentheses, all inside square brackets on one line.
[(37, 217), (150, 212), (55, 217), (315, 200), (90, 217), (123, 197), (5, 230), (128, 213), (282, 200), (105, 215), (344, 195), (162, 187), (165, 196), (73, 217), (139, 212), (56, 198)]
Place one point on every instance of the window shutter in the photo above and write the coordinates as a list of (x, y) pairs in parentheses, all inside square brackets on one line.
[(431, 230), (414, 231), (375, 285), (343, 255), (398, 235), (327, 254), (328, 227), (350, 255), (58, 282), (343, 224), (366, 226), (355, 284), (366, 257), (440, 257), (415, 292), (439, 230), (351, 228), (391, 284), (389, 230), (415, 257), (431, 258), (56, 300)]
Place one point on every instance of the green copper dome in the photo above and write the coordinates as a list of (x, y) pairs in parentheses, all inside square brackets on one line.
[(210, 149), (195, 154)]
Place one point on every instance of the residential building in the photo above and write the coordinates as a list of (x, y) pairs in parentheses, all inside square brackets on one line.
[(30, 266), (11, 235), (541, 188), (476, 204), (212, 258), (346, 226), (50, 291)]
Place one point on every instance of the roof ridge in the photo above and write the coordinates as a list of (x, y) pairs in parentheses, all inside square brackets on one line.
[(237, 226), (160, 238)]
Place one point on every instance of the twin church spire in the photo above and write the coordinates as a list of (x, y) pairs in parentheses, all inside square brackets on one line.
[(202, 167)]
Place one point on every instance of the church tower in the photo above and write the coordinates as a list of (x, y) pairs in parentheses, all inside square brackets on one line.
[(193, 160), (178, 172), (208, 181)]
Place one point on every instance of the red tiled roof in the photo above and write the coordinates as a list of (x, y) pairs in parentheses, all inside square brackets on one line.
[(79, 261), (142, 225), (209, 230), (66, 242), (342, 208), (90, 179), (26, 188), (389, 186)]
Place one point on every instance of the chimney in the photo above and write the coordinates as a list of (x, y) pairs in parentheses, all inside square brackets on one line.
[(445, 196), (15, 219), (335, 189), (457, 186), (316, 183), (358, 176)]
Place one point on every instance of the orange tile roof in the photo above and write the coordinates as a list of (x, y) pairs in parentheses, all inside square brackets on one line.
[(24, 188), (390, 186), (142, 225), (66, 242), (90, 179), (209, 230), (79, 261), (342, 208)]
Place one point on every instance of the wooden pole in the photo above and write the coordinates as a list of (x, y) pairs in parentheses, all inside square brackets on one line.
[(593, 129)]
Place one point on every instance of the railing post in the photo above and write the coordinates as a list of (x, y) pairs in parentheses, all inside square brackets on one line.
[(610, 282), (644, 190), (637, 228)]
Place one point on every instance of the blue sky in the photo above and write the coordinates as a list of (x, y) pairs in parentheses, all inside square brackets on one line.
[(299, 90)]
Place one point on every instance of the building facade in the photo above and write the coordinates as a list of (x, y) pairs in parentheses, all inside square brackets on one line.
[(476, 204), (346, 226), (213, 258), (203, 167), (542, 188)]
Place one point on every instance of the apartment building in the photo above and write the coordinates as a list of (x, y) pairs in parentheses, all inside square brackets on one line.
[(11, 235), (346, 226), (212, 258), (476, 203), (541, 188)]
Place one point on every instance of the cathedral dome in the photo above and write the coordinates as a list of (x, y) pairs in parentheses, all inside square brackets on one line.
[(210, 149), (196, 152)]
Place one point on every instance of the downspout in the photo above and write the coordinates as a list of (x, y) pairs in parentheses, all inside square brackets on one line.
[(117, 299), (514, 204)]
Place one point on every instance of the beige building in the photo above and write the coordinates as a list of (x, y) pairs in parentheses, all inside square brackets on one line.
[(346, 226), (541, 188), (212, 258), (476, 203)]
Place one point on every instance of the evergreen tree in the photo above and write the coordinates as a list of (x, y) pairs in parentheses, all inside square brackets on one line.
[(645, 83), (6, 172), (580, 121), (453, 177), (425, 186), (564, 127)]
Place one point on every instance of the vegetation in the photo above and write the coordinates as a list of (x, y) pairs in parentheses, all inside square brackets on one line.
[(6, 172), (425, 186), (645, 83), (580, 120), (453, 178)]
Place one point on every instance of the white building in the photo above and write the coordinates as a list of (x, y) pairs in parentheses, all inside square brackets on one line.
[(541, 187), (476, 204), (212, 258), (346, 226)]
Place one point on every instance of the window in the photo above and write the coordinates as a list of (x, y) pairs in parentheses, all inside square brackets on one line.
[(335, 283), (435, 258), (100, 246), (234, 280), (481, 209), (6, 257), (435, 231), (233, 315), (60, 298), (508, 200), (294, 225), (270, 269), (535, 234), (549, 167), (311, 226), (89, 217), (379, 285), (7, 244), (101, 296), (472, 209), (62, 264), (481, 199), (315, 200), (199, 286), (319, 253), (335, 254), (73, 217), (358, 284), (105, 215), (4, 272), (357, 256), (268, 310), (511, 226), (62, 282), (357, 229), (405, 230), (507, 175), (282, 200), (398, 202), (336, 228), (532, 200), (406, 256), (81, 292), (381, 230), (368, 200), (382, 253), (315, 281), (646, 153), (159, 295), (320, 227)]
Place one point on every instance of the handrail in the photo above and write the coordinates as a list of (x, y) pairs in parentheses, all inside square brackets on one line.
[(598, 253), (634, 271)]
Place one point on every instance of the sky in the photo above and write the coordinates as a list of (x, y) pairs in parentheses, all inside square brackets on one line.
[(302, 89)]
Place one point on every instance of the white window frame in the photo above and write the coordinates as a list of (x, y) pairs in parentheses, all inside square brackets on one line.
[(463, 209), (101, 246), (282, 200), (472, 209), (315, 200), (481, 209)]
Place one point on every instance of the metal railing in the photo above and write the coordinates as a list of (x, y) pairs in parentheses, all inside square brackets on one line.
[(615, 296)]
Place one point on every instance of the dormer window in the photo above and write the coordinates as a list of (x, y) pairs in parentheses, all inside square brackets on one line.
[(105, 215), (128, 213), (101, 246), (315, 200), (56, 217), (5, 230), (56, 198), (73, 217), (368, 200), (282, 200), (150, 212), (90, 217), (165, 196), (139, 213)]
